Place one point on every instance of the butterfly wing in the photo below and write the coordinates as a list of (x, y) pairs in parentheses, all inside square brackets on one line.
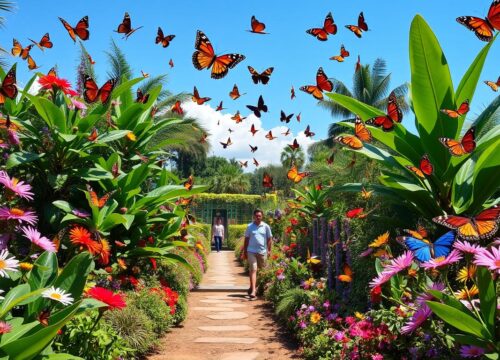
[(319, 33), (383, 122), (266, 75), (106, 89), (352, 141), (442, 246), (31, 63), (69, 29), (329, 25), (322, 81), (235, 93), (355, 29), (468, 141), (81, 29), (267, 181), (463, 225), (204, 55), (361, 131), (91, 90), (9, 88), (464, 108), (494, 15), (126, 25), (480, 27), (17, 48), (254, 74), (426, 165), (416, 171), (393, 110), (487, 222), (223, 63), (361, 22), (421, 250), (257, 26)]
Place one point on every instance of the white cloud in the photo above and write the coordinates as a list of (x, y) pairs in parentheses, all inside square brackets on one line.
[(268, 151)]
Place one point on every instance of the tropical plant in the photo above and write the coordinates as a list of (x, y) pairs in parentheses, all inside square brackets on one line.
[(229, 180), (291, 156)]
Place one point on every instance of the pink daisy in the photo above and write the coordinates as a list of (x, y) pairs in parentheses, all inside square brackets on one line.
[(466, 247), (381, 279), (416, 320), (471, 351), (453, 257), (400, 263), (489, 259), (18, 214), (41, 241), (16, 186)]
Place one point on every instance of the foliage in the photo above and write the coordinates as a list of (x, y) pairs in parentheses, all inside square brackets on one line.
[(151, 301), (235, 232), (291, 156)]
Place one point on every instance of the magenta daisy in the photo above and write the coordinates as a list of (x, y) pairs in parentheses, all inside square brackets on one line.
[(36, 238), (425, 296), (471, 351), (453, 257), (417, 320), (466, 247), (15, 186), (489, 259), (400, 263), (18, 214), (382, 278)]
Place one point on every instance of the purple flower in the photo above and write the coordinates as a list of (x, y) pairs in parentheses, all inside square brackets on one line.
[(400, 263), (332, 316), (4, 241), (311, 308), (425, 296), (382, 278), (12, 137), (416, 320), (453, 257), (302, 325), (18, 214), (466, 247), (36, 238), (326, 304), (339, 336), (80, 213), (377, 357), (489, 259), (471, 351)]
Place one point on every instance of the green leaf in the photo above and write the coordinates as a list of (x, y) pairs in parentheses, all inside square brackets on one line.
[(19, 295), (470, 340), (462, 188), (48, 111), (22, 157), (58, 356), (487, 297), (74, 275), (42, 275), (112, 136), (63, 205)]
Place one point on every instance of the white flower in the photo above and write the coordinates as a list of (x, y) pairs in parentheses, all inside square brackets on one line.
[(7, 264), (58, 295)]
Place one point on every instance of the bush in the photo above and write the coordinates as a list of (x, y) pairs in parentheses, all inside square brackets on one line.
[(202, 228), (181, 310), (235, 232), (176, 276)]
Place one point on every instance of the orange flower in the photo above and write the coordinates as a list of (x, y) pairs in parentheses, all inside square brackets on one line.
[(81, 237), (104, 253), (121, 262)]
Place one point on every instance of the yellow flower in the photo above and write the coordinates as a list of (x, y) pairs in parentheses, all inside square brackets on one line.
[(199, 246), (131, 136), (359, 315), (465, 293), (315, 317), (25, 266), (466, 273), (380, 240)]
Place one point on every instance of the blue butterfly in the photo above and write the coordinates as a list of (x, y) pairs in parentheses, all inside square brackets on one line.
[(424, 250)]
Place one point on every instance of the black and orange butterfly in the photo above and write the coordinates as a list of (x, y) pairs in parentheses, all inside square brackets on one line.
[(95, 200), (243, 163), (235, 93), (420, 234), (292, 93), (197, 99), (261, 107), (141, 98), (144, 74), (294, 146), (31, 63), (493, 85), (171, 63), (347, 274), (482, 226), (362, 26), (184, 201), (8, 89), (462, 110), (81, 29), (270, 136), (284, 117), (219, 107), (176, 108), (425, 167), (93, 93), (188, 184), (237, 117), (204, 57), (484, 28), (253, 148), (18, 50), (126, 27), (44, 42), (267, 181), (308, 133), (361, 134), (287, 132), (296, 176), (93, 135), (43, 317), (322, 84), (257, 26), (162, 39), (262, 77), (227, 143), (343, 54), (329, 27), (52, 72), (462, 147), (394, 115), (255, 162), (253, 130)]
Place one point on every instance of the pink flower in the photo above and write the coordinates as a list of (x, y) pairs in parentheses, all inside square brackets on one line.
[(377, 357), (75, 104), (416, 320), (16, 186), (18, 214), (12, 137), (41, 241), (466, 247), (471, 351), (382, 278), (453, 257), (5, 327), (489, 259), (400, 263)]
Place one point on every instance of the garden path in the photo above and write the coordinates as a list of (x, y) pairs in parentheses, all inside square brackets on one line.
[(223, 324)]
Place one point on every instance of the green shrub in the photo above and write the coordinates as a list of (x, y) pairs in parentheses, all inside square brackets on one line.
[(291, 300), (181, 310), (154, 306), (197, 268), (175, 275), (235, 232), (202, 228)]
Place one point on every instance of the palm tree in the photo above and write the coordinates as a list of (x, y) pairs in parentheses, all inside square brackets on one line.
[(231, 180), (289, 156), (7, 6)]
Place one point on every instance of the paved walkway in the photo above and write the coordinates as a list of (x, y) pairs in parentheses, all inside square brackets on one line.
[(223, 324)]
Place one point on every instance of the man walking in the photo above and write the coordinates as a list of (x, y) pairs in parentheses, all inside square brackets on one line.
[(258, 240)]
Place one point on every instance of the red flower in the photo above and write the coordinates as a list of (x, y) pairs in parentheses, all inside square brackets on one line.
[(153, 263), (50, 82), (294, 221), (81, 237), (376, 295), (288, 230), (114, 301)]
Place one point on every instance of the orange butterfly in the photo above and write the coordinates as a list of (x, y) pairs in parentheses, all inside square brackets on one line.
[(81, 29), (93, 93), (270, 136), (257, 26), (347, 274), (361, 133), (188, 184), (362, 26), (462, 147), (220, 108), (493, 85), (235, 93), (366, 194), (322, 84), (292, 93), (227, 143), (144, 74), (43, 317), (93, 135), (329, 27), (243, 163), (204, 57), (420, 233), (91, 61), (462, 110), (262, 77), (358, 65), (253, 148), (18, 50), (296, 176), (425, 167), (483, 28), (126, 27), (31, 63), (164, 40), (255, 162), (394, 115), (141, 98), (267, 181), (52, 72), (197, 99), (237, 117), (44, 42), (253, 130), (295, 145), (287, 132), (95, 201), (184, 201), (308, 133), (343, 54), (176, 108), (171, 63)]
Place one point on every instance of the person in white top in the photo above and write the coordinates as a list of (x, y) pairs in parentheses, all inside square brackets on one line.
[(218, 234)]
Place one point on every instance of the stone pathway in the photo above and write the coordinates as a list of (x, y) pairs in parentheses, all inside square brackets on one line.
[(222, 324)]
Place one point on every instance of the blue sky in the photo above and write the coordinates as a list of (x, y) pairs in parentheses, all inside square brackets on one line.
[(294, 54)]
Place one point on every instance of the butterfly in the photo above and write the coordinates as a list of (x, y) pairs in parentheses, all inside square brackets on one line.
[(253, 130), (354, 213), (197, 99), (313, 260), (93, 135), (235, 93), (483, 28), (292, 93), (257, 26), (462, 110), (184, 201), (361, 133), (227, 143), (52, 72), (357, 67), (298, 116), (115, 170), (203, 138), (366, 194), (253, 148), (18, 50), (260, 107), (31, 63), (343, 54), (243, 163), (285, 118), (424, 250), (44, 42), (362, 26), (171, 63), (295, 145), (204, 57), (230, 130), (308, 133), (267, 181), (8, 88), (126, 27), (329, 27), (96, 201), (425, 167), (219, 107), (420, 233), (145, 75), (394, 115), (330, 159), (141, 98), (237, 117), (270, 136), (255, 162), (482, 226), (287, 132), (188, 184), (493, 85), (91, 61), (163, 40), (347, 274), (43, 317), (176, 108), (81, 29), (93, 93), (462, 147), (262, 77), (296, 176), (322, 84)]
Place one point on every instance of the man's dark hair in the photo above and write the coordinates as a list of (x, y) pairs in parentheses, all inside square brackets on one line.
[(258, 211)]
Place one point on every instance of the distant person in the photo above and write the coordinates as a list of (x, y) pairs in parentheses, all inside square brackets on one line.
[(218, 234), (258, 240)]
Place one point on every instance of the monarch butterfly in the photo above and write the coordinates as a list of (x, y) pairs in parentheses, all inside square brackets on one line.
[(93, 135), (257, 26), (219, 107), (343, 54), (95, 200), (482, 226), (285, 118), (204, 57), (294, 146), (91, 61), (322, 84), (52, 72), (162, 39), (361, 133), (424, 250), (44, 42), (43, 317), (243, 163), (462, 147), (355, 213), (262, 77), (425, 167), (126, 27), (93, 93), (261, 107), (18, 50), (31, 63), (462, 110), (197, 99), (267, 181), (188, 184), (347, 274), (483, 28), (394, 115), (298, 117), (287, 132), (81, 29), (270, 136), (362, 26), (237, 117), (171, 63), (253, 130), (235, 93), (144, 74), (176, 108), (227, 143), (329, 27), (8, 87), (292, 93), (255, 162), (296, 176), (141, 98), (366, 194), (253, 148), (184, 201), (493, 85)]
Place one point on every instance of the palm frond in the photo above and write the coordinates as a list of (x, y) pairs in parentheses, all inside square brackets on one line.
[(120, 68)]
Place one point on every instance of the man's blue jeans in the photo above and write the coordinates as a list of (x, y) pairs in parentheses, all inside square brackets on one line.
[(218, 243)]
